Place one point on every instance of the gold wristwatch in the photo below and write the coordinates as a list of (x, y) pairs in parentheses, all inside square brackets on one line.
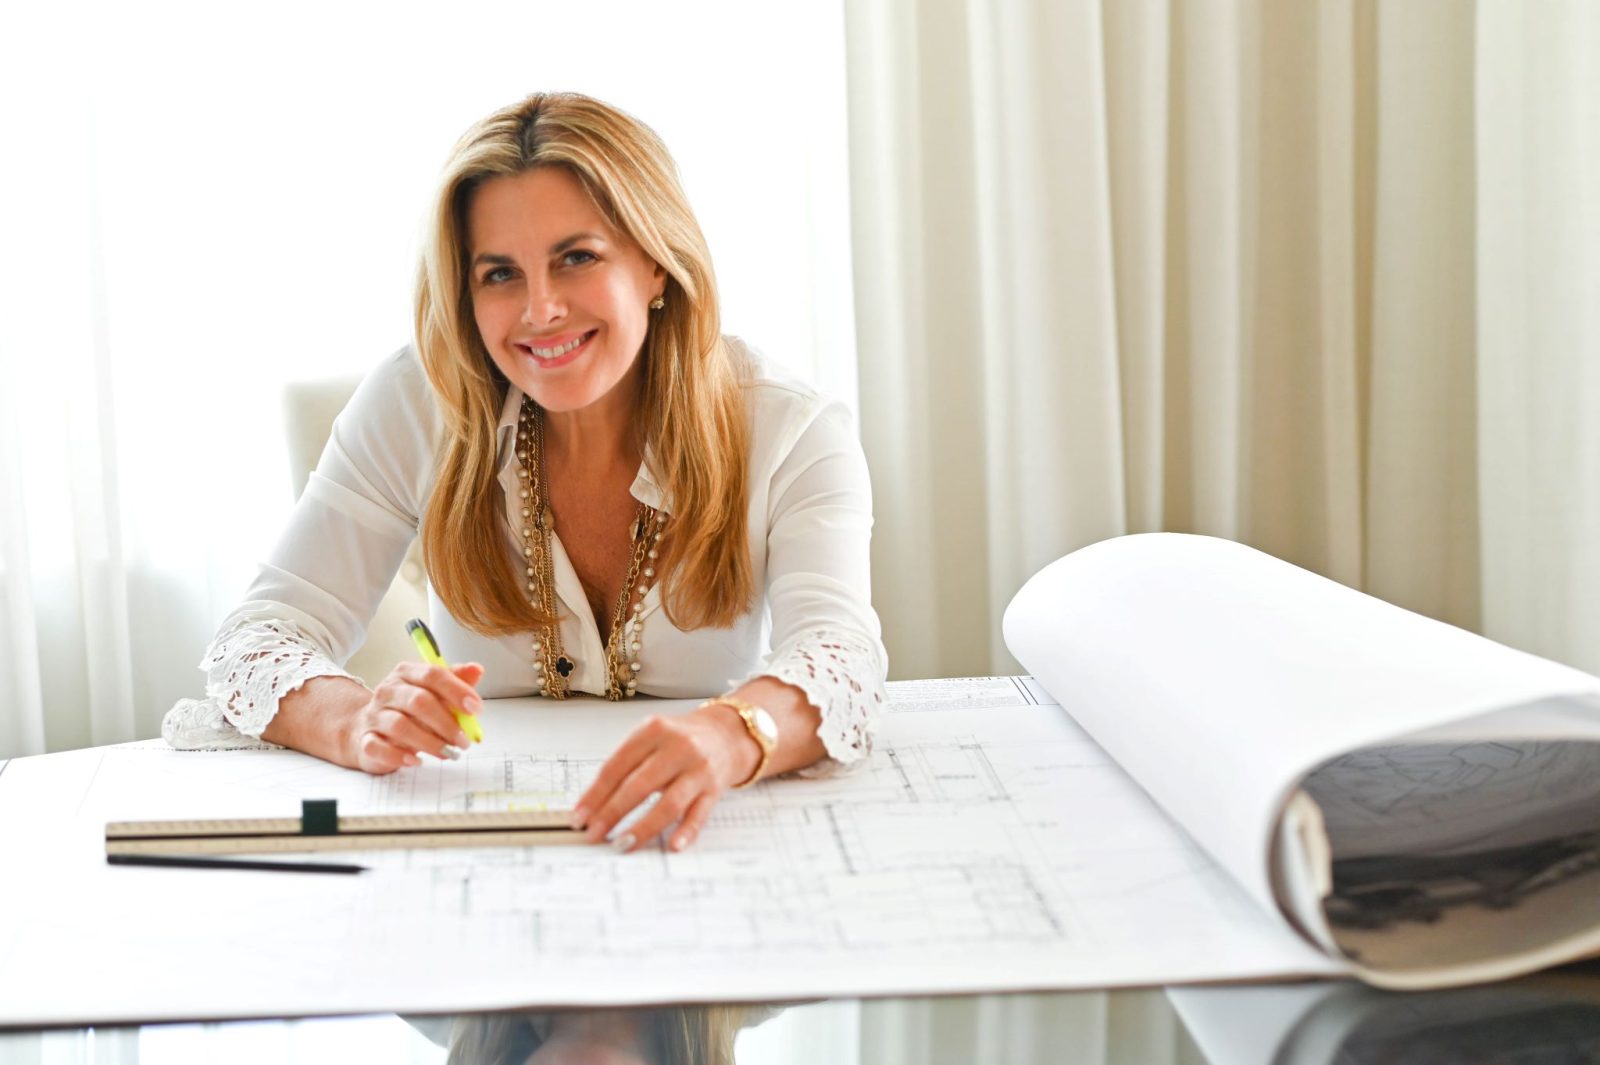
[(758, 722)]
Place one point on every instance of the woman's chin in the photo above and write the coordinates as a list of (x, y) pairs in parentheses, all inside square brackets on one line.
[(560, 398)]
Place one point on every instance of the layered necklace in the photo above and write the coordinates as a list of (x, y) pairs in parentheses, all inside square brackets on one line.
[(550, 660)]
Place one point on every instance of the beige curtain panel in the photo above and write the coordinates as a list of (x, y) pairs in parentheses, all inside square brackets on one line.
[(1110, 1028), (1317, 277)]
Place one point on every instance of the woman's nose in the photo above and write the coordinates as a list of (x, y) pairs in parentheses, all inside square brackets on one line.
[(544, 303)]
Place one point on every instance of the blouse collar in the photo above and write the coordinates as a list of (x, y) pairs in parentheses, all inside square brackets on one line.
[(644, 488)]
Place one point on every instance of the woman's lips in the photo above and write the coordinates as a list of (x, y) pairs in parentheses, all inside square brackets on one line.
[(551, 363)]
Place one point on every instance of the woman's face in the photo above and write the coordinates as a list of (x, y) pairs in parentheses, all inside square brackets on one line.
[(561, 299)]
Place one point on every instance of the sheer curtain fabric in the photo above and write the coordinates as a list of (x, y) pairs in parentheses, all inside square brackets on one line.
[(1315, 277)]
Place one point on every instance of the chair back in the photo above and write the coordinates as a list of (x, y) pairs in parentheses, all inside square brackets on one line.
[(309, 409)]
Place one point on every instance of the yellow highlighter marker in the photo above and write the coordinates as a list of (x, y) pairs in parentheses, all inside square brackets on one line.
[(429, 650)]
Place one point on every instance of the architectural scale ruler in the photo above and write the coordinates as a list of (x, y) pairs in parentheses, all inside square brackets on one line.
[(320, 828)]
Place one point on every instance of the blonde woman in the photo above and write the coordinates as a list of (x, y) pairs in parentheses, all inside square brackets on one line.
[(613, 499)]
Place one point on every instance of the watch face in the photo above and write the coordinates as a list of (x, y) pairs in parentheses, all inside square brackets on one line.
[(765, 724)]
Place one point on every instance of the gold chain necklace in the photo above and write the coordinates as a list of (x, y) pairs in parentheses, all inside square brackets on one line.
[(622, 642)]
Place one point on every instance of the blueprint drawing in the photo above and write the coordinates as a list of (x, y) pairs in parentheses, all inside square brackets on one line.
[(991, 845)]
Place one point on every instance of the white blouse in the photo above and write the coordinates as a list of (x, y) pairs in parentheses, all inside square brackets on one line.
[(810, 520)]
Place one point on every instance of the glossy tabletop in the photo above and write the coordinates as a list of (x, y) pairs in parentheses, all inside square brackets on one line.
[(1551, 1018)]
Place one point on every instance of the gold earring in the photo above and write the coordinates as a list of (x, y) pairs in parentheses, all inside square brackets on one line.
[(657, 303)]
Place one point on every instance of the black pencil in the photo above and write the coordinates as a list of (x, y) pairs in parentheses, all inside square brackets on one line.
[(196, 862)]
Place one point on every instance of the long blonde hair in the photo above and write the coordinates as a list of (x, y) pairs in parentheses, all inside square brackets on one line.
[(672, 1035), (692, 410)]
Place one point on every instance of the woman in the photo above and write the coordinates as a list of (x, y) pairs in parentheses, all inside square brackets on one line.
[(612, 498)]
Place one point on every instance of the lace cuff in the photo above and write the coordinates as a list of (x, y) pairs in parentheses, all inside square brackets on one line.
[(249, 668), (840, 675), (198, 725)]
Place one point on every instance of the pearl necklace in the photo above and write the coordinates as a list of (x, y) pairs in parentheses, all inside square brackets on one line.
[(645, 531)]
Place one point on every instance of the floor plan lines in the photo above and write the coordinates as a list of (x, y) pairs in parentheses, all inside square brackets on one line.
[(958, 693), (960, 772), (985, 841)]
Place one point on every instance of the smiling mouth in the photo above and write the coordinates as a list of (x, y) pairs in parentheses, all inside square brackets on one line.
[(558, 353)]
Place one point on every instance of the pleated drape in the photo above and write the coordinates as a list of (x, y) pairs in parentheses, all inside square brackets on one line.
[(1225, 266), (1110, 1028), (68, 644), (1538, 325)]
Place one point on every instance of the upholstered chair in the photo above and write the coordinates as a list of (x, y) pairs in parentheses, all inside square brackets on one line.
[(309, 410)]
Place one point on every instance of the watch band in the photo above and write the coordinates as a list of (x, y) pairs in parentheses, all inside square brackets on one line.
[(747, 713)]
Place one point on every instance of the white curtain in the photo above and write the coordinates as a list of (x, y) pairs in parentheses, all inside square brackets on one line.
[(1316, 277), (202, 203), (1129, 1027), (1538, 320)]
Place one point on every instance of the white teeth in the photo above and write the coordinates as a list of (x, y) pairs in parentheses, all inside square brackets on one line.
[(557, 352)]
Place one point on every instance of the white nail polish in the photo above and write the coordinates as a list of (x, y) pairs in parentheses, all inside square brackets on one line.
[(451, 752), (622, 842)]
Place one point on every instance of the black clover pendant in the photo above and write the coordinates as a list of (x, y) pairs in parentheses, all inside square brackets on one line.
[(563, 665)]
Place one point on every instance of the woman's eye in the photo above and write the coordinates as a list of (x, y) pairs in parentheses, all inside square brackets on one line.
[(577, 258), (497, 275)]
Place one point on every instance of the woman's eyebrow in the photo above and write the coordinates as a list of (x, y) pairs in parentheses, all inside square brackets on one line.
[(577, 238), (555, 249)]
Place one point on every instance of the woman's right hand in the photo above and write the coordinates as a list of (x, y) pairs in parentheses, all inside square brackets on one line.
[(409, 713)]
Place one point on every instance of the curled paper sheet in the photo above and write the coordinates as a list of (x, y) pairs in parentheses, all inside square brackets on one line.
[(1412, 797)]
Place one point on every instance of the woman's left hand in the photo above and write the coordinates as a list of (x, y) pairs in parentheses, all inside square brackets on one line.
[(690, 759)]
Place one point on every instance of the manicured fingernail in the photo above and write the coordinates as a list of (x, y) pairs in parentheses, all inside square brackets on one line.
[(580, 817), (452, 753), (462, 739), (412, 759), (473, 704), (622, 843), (680, 841)]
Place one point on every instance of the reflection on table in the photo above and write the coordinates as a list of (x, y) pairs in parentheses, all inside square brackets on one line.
[(1552, 1018)]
